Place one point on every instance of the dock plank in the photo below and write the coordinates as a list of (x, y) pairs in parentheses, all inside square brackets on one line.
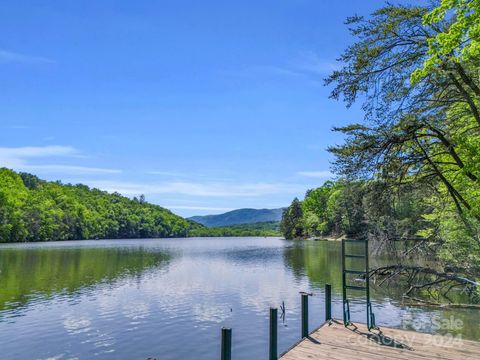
[(335, 341)]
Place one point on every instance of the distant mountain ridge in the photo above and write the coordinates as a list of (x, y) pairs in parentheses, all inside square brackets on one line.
[(240, 216)]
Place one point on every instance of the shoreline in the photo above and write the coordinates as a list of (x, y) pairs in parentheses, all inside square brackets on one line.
[(146, 238), (326, 238)]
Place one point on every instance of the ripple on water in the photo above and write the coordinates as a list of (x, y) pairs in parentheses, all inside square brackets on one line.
[(138, 310), (60, 357), (211, 283), (102, 342), (77, 325), (210, 313)]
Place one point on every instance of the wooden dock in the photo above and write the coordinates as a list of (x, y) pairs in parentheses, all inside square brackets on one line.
[(334, 341)]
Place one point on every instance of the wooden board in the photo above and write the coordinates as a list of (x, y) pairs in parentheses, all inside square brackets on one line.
[(335, 341)]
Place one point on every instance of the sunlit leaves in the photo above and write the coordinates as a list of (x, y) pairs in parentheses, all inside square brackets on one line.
[(416, 71), (35, 210), (459, 41)]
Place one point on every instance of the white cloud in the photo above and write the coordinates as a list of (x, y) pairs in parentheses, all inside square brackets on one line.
[(312, 63), (282, 71), (174, 174), (203, 208), (16, 156), (70, 169), (316, 174), (164, 173), (306, 65), (18, 127), (19, 158), (207, 189), (8, 57)]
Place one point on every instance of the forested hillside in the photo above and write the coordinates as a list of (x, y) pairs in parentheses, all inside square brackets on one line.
[(411, 167), (266, 228), (36, 210), (240, 216), (360, 209)]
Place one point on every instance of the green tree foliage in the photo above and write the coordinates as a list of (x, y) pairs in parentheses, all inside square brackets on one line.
[(460, 39), (266, 228), (13, 195), (36, 210), (333, 209), (292, 221), (362, 209), (422, 127)]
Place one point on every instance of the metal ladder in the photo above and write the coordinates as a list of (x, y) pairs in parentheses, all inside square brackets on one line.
[(365, 272)]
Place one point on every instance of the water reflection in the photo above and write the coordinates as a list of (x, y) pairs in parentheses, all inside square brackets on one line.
[(169, 298), (36, 273), (321, 263)]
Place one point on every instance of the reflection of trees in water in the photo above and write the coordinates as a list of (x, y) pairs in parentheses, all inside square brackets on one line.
[(252, 256), (25, 273), (321, 261)]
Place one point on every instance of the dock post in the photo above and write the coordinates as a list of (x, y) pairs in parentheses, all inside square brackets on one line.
[(328, 302), (226, 344), (304, 315), (273, 334)]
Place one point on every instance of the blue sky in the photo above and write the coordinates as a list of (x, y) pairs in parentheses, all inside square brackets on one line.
[(203, 106)]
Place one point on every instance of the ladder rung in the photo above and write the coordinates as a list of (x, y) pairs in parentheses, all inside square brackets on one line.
[(355, 256), (353, 287), (355, 272)]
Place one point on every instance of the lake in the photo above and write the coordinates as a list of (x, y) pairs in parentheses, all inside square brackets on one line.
[(169, 298)]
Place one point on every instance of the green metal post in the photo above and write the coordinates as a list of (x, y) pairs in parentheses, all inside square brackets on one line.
[(367, 286), (273, 334), (370, 314), (304, 315), (367, 277), (328, 302), (226, 344), (346, 317)]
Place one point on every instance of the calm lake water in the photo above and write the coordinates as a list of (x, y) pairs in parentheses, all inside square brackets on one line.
[(169, 298)]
